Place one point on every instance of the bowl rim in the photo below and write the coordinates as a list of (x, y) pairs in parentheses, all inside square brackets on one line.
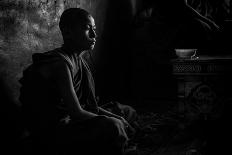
[(185, 49)]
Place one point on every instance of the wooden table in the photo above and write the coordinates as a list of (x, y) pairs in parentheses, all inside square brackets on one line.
[(204, 84)]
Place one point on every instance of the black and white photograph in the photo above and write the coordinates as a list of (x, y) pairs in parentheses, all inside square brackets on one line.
[(116, 77)]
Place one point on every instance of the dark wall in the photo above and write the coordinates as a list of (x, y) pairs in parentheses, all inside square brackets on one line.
[(113, 72)]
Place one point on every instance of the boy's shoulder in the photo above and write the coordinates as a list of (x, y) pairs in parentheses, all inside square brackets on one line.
[(44, 64)]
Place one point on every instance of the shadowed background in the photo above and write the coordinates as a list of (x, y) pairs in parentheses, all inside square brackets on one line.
[(130, 62)]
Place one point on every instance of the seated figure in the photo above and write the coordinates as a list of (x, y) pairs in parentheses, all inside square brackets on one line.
[(58, 96)]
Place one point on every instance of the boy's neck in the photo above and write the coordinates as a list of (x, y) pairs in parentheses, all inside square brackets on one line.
[(71, 49)]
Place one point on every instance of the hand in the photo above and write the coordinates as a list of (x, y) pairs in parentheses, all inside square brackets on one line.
[(128, 127)]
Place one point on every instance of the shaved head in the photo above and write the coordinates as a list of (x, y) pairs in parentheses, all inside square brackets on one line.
[(72, 17)]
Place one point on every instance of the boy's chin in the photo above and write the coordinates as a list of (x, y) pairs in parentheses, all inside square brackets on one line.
[(91, 47)]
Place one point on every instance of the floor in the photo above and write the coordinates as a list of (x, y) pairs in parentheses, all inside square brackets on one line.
[(165, 131), (170, 133)]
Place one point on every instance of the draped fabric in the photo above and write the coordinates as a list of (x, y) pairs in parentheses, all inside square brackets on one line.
[(42, 105)]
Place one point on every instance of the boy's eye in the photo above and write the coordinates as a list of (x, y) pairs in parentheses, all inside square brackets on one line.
[(90, 26)]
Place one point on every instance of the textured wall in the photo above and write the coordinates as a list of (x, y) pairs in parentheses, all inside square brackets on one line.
[(29, 26)]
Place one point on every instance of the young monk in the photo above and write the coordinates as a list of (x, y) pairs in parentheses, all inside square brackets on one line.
[(58, 95)]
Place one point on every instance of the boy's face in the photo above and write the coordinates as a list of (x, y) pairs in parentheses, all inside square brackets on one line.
[(83, 36)]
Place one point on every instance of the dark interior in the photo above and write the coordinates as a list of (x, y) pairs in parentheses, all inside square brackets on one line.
[(134, 62)]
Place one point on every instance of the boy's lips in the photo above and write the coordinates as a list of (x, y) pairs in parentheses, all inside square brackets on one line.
[(93, 42)]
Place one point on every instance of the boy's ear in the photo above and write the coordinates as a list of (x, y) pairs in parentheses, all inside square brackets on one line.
[(67, 33)]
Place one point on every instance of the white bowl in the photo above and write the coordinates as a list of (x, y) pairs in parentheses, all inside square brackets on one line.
[(186, 53)]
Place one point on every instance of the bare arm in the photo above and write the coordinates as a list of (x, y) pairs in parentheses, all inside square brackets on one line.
[(64, 83), (108, 113), (129, 128)]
